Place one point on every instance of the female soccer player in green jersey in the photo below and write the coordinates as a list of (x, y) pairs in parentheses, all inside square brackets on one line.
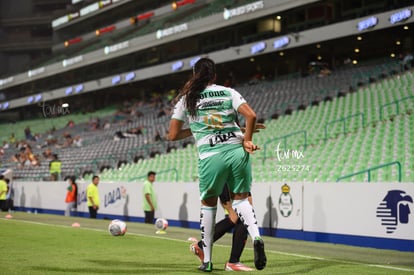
[(224, 151)]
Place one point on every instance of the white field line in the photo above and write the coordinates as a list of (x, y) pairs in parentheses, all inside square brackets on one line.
[(268, 251), (344, 262)]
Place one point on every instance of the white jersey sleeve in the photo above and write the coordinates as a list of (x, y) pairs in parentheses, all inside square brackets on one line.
[(179, 110), (237, 99)]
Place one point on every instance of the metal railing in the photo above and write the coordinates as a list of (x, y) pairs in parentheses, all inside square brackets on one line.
[(397, 106), (368, 171), (343, 119)]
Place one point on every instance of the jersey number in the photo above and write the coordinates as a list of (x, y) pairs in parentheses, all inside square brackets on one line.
[(214, 121)]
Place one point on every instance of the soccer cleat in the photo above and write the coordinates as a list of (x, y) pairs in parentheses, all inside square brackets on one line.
[(196, 250), (206, 267), (236, 267), (259, 254)]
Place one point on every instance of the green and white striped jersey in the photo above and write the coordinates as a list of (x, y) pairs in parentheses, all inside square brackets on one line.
[(215, 127)]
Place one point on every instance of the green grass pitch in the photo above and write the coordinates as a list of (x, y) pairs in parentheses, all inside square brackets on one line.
[(48, 244)]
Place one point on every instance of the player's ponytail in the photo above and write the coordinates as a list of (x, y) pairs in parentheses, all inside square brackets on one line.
[(204, 73)]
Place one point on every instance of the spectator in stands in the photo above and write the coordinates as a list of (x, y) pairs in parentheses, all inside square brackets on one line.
[(48, 155), (171, 95), (324, 71), (68, 140), (230, 80), (257, 77), (28, 134), (3, 193), (92, 193), (55, 167), (407, 61), (21, 144), (33, 160), (119, 135), (135, 131), (78, 141), (6, 145), (134, 112), (161, 112), (37, 137), (71, 196), (41, 141), (98, 123), (150, 200), (94, 123), (25, 157), (51, 139), (70, 124), (119, 116), (20, 158), (12, 139), (157, 137), (347, 61), (156, 100), (106, 125)]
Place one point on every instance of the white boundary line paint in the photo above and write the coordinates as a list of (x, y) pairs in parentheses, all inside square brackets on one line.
[(344, 262), (391, 267), (268, 251)]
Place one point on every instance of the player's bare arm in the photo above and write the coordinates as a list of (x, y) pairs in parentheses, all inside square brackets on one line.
[(176, 132)]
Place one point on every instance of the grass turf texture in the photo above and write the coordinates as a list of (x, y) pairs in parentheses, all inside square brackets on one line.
[(47, 244)]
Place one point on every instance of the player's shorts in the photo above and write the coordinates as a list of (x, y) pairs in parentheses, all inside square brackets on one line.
[(232, 167)]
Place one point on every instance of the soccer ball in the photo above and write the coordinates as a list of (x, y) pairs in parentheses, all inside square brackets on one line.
[(117, 228), (161, 224)]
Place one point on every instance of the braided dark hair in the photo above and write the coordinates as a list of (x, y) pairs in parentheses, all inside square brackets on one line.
[(204, 73)]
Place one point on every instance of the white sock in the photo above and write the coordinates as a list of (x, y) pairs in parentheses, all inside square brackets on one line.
[(207, 222), (246, 214)]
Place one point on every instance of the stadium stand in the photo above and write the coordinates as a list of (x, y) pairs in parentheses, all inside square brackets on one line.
[(329, 127), (373, 137), (360, 147)]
